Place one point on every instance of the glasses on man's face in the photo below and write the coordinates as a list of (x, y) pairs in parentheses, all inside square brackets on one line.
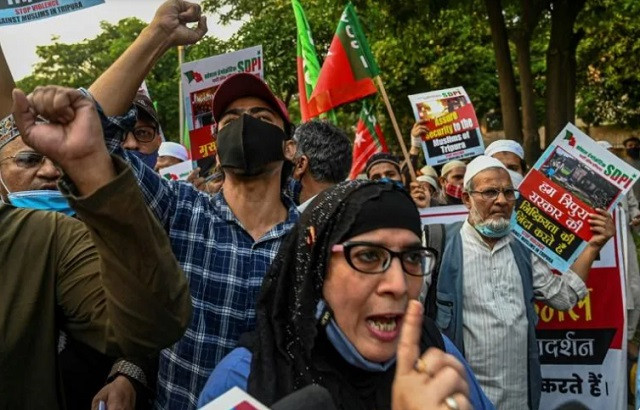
[(368, 257), (26, 159), (144, 133), (491, 194)]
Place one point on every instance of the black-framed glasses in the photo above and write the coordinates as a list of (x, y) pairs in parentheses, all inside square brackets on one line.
[(491, 194), (26, 159), (372, 258), (144, 133)]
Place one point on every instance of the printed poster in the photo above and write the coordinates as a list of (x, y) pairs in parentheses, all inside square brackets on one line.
[(200, 80), (24, 11), (583, 350), (572, 178), (177, 172), (453, 127)]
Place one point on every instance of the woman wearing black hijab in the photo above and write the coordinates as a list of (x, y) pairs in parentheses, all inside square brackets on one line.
[(332, 304)]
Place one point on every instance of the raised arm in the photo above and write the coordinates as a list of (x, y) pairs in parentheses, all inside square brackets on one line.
[(138, 301), (601, 224), (117, 86)]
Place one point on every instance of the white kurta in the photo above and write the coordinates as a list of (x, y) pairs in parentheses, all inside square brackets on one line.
[(494, 314)]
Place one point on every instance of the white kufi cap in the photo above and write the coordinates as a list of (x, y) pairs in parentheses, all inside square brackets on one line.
[(172, 149), (479, 164), (504, 146)]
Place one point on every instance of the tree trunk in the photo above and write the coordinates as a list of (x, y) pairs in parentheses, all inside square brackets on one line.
[(6, 87), (506, 79), (561, 68), (531, 10)]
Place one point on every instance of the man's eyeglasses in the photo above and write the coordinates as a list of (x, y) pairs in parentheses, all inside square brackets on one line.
[(144, 133), (26, 159), (491, 194), (368, 257)]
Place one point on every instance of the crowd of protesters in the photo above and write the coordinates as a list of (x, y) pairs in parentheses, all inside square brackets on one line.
[(271, 274)]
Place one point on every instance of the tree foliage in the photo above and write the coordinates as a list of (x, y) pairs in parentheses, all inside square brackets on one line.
[(608, 58), (420, 46)]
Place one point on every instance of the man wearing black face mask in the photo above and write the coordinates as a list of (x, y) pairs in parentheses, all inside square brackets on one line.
[(632, 157), (226, 242)]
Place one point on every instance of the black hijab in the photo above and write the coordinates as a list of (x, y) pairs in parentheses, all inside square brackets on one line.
[(289, 351)]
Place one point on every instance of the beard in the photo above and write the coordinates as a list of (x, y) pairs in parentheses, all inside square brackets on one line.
[(494, 224)]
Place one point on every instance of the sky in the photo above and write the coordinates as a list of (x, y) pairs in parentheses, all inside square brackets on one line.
[(19, 41)]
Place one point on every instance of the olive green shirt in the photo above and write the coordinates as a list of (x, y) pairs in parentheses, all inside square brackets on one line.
[(110, 281)]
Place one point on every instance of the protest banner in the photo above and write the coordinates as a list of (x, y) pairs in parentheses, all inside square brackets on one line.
[(443, 214), (572, 178), (200, 79), (583, 350), (453, 130), (177, 172), (22, 11)]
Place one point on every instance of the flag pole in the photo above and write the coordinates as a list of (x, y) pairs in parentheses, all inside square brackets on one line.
[(383, 91), (6, 87), (181, 95)]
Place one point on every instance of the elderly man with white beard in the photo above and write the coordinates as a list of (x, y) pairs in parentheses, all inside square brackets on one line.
[(488, 282)]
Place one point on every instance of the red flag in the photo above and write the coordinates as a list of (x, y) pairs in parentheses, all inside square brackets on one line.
[(348, 71), (369, 140)]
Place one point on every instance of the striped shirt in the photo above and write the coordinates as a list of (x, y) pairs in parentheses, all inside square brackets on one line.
[(223, 264), (494, 314)]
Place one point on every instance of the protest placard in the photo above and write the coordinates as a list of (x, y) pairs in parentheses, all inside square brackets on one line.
[(21, 11), (177, 172), (583, 350), (572, 178), (235, 399), (200, 79), (453, 127)]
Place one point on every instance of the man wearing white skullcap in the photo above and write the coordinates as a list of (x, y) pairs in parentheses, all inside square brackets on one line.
[(170, 153), (510, 153), (451, 179), (487, 283)]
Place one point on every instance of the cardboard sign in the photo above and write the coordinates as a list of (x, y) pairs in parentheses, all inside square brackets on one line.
[(22, 11), (453, 127)]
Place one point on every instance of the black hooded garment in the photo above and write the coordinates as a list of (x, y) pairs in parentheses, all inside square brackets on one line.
[(290, 348)]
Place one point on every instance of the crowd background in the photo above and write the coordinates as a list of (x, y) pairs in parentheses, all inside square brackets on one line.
[(128, 141)]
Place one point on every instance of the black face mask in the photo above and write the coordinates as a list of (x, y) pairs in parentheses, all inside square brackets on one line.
[(633, 152), (249, 144)]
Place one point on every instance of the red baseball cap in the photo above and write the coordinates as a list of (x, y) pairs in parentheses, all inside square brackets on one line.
[(246, 85)]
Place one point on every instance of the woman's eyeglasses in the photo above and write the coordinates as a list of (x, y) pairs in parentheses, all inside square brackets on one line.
[(368, 257), (26, 159)]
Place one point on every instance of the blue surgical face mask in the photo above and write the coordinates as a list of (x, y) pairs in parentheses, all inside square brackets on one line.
[(148, 159), (340, 342), (489, 232), (44, 200)]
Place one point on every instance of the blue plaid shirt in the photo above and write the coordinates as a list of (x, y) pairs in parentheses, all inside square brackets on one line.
[(223, 264)]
